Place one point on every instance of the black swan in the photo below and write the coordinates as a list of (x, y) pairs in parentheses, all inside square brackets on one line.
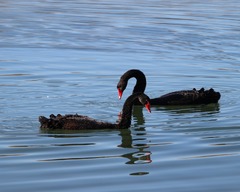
[(183, 97), (77, 122)]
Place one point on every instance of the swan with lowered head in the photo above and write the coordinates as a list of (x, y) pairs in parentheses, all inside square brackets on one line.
[(78, 122), (183, 97)]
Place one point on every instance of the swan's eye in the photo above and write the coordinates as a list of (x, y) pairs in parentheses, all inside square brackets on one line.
[(120, 86)]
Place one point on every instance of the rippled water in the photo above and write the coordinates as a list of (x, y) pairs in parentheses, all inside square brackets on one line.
[(67, 57)]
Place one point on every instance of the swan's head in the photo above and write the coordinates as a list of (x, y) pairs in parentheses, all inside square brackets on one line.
[(145, 100), (121, 86), (140, 83)]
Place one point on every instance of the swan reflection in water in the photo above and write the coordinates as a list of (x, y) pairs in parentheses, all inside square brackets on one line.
[(138, 133)]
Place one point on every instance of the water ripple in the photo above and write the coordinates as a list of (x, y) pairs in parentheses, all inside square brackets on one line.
[(67, 57)]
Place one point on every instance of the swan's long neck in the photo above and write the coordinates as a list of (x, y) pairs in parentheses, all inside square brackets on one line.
[(125, 121), (141, 80)]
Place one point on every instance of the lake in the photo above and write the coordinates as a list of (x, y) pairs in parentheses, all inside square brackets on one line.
[(67, 57)]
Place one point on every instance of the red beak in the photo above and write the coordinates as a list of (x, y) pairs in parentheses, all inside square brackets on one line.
[(148, 106), (120, 93)]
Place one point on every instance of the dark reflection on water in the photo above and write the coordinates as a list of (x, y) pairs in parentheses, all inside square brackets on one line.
[(138, 115), (139, 173), (77, 158), (204, 109), (141, 155)]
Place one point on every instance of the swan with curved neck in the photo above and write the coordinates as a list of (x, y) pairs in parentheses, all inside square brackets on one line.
[(183, 97), (78, 122)]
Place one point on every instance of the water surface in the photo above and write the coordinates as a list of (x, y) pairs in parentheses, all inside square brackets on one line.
[(67, 57)]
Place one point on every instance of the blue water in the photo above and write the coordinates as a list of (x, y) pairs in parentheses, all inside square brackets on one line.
[(67, 57)]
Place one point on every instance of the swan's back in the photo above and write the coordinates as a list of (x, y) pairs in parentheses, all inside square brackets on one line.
[(72, 122), (189, 97)]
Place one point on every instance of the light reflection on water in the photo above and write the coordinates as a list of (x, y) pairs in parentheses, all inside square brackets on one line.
[(67, 57)]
